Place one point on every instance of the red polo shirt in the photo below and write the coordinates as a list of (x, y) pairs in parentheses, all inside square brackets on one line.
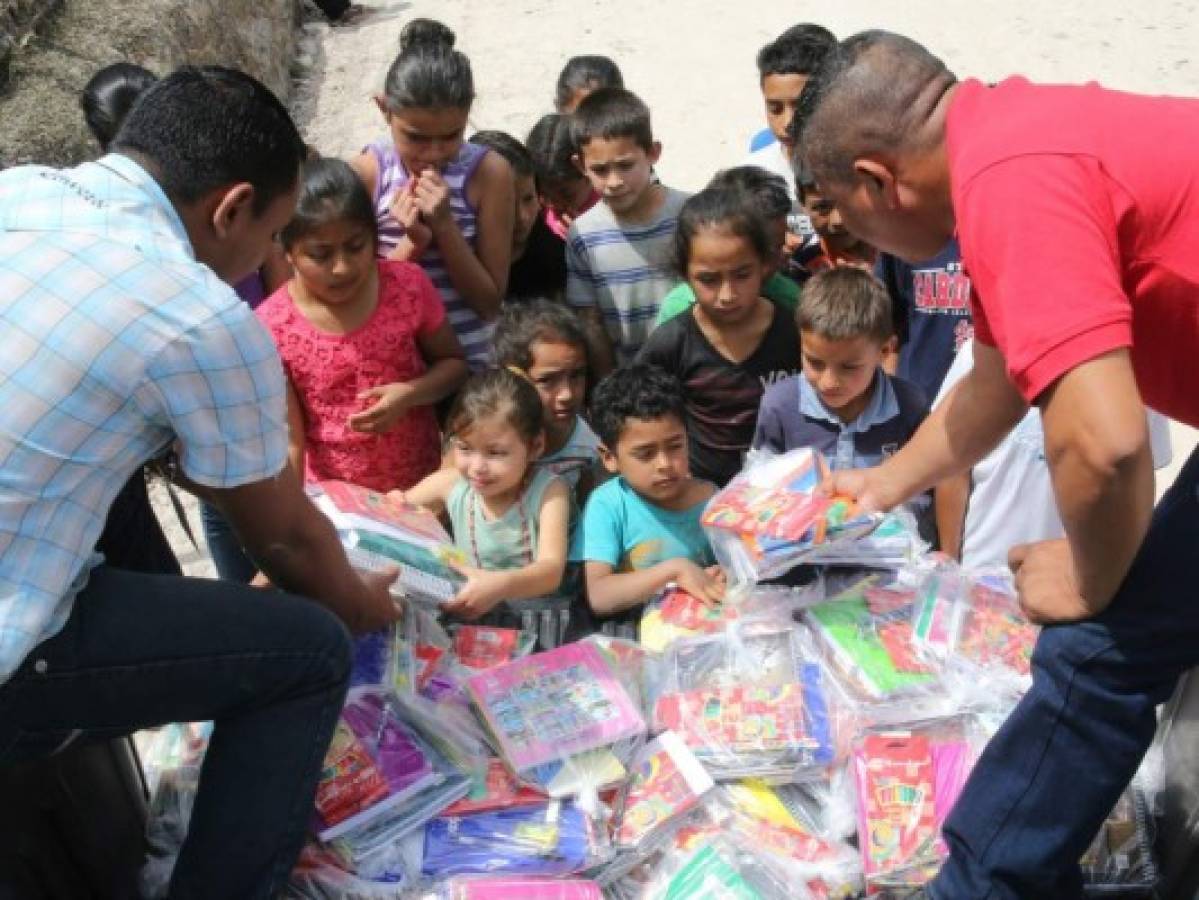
[(1078, 216)]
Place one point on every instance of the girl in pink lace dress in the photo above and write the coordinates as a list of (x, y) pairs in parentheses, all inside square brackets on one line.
[(365, 343)]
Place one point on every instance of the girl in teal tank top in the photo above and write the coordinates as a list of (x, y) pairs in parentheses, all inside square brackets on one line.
[(509, 517)]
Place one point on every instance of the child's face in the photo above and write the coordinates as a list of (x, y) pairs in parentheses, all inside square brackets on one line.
[(781, 93), (841, 372), (651, 455), (566, 196), (493, 457), (726, 274), (528, 207), (827, 221), (559, 372), (425, 138), (335, 261), (620, 170)]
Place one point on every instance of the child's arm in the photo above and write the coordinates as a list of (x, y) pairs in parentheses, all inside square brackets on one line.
[(610, 592), (485, 590), (479, 273), (949, 507), (447, 370), (295, 432), (431, 493)]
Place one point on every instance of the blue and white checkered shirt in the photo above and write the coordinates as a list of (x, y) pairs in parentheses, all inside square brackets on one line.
[(114, 342)]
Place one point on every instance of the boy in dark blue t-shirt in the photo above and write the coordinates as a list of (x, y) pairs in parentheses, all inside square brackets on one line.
[(844, 404), (930, 302)]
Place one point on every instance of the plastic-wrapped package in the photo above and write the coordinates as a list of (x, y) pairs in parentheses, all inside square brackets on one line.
[(482, 887), (419, 644), (180, 745), (719, 867), (675, 614), (994, 641), (318, 875), (866, 635), (562, 720), (771, 517), (549, 840), (381, 780), (1120, 860), (751, 702), (666, 782), (481, 647), (907, 782)]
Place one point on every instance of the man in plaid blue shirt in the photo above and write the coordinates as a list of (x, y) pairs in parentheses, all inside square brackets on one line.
[(122, 340)]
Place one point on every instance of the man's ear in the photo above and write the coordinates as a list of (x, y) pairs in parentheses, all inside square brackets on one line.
[(233, 207), (608, 458), (384, 107), (880, 178), (655, 153)]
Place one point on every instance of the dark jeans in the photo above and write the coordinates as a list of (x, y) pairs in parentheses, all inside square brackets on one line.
[(1057, 766), (231, 561), (140, 650)]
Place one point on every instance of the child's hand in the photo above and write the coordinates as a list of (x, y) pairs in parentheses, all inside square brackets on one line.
[(705, 585), (406, 211), (432, 196), (482, 592), (391, 402)]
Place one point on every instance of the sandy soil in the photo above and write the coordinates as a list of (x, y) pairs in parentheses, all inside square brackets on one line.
[(694, 64)]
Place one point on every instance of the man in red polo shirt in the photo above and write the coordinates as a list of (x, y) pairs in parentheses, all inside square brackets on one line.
[(1077, 211)]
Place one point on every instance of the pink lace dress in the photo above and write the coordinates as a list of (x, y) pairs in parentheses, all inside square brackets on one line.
[(328, 371)]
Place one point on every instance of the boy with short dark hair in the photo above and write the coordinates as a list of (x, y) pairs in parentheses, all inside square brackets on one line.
[(618, 254), (641, 530), (843, 404), (784, 67), (831, 244)]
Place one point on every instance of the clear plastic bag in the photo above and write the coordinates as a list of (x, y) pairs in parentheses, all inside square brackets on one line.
[(907, 781), (563, 720), (319, 876), (419, 644), (666, 783), (549, 840), (719, 867), (1120, 860), (866, 635), (751, 702), (675, 615), (771, 517), (994, 641)]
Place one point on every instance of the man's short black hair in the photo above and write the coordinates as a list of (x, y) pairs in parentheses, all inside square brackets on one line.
[(611, 113), (639, 391), (797, 51), (509, 148), (204, 127)]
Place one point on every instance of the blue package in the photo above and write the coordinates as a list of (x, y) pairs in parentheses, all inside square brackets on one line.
[(536, 840)]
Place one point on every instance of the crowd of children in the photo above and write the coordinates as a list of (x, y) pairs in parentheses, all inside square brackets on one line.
[(563, 356)]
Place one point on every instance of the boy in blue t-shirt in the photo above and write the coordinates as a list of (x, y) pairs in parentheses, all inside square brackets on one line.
[(641, 530)]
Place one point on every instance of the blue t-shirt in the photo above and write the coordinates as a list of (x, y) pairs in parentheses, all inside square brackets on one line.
[(629, 533), (931, 308)]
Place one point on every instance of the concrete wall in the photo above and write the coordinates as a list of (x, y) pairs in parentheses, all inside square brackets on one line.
[(40, 119)]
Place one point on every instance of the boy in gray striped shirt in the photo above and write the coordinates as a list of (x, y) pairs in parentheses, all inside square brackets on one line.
[(618, 252)]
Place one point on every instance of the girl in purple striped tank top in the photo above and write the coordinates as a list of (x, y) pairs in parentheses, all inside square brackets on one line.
[(439, 201)]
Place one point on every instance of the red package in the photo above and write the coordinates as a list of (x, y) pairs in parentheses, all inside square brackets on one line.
[(481, 647), (350, 782), (499, 791)]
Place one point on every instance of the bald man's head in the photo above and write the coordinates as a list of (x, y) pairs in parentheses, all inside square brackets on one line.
[(873, 96)]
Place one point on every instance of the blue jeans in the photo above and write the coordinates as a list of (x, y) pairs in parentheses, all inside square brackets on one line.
[(143, 650), (1056, 768), (230, 559)]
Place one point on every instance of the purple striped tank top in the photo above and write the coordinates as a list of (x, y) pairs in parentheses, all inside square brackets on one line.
[(473, 333)]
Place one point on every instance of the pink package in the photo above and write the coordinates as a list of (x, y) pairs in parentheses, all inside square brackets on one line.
[(522, 889)]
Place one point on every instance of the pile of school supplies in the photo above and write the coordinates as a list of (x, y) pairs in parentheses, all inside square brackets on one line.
[(786, 743)]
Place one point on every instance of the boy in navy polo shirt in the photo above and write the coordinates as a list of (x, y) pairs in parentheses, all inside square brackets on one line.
[(844, 404)]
